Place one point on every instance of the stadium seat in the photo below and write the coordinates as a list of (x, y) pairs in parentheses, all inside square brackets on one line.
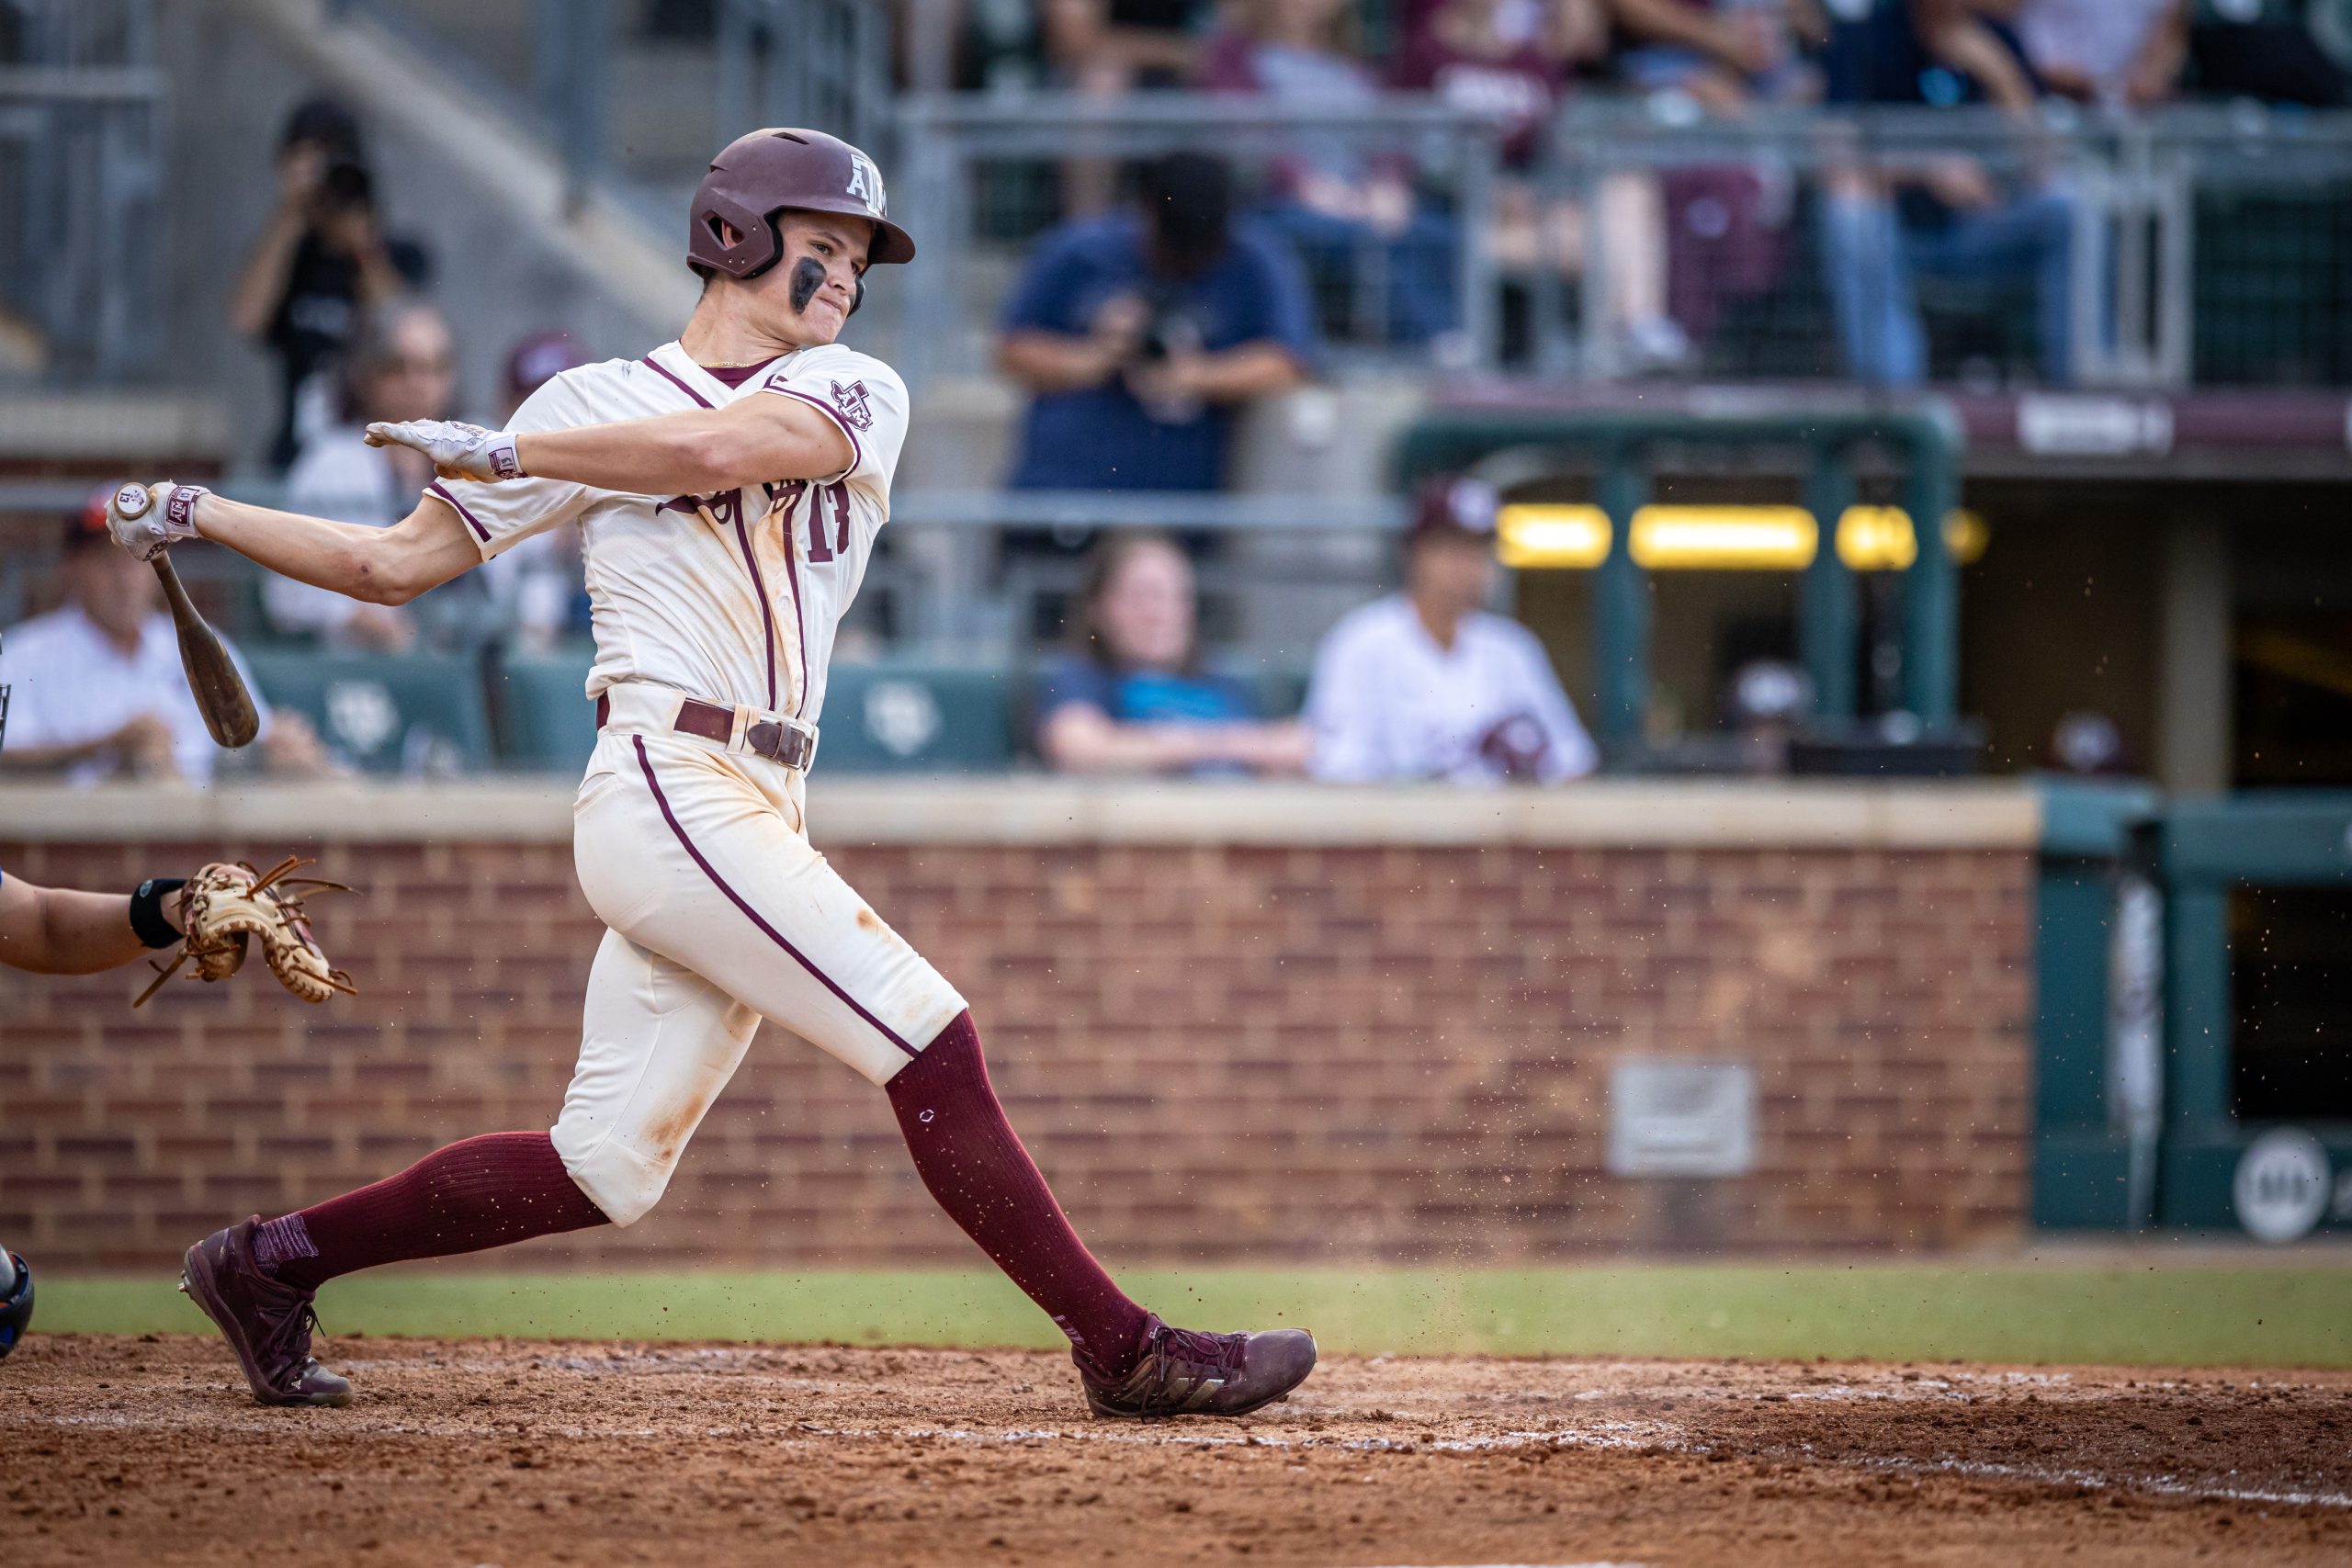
[(384, 713), (916, 718), (878, 718), (546, 723)]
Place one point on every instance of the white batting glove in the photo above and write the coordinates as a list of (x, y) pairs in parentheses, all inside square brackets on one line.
[(458, 450), (147, 520)]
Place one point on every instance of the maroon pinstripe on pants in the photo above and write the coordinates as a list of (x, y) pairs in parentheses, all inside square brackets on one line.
[(750, 914)]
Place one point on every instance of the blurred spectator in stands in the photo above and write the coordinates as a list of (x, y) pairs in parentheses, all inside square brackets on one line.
[(1104, 48), (537, 585), (1481, 56), (1141, 335), (99, 688), (1768, 702), (1943, 215), (990, 46), (2251, 51), (2138, 54), (1429, 683), (403, 366), (1939, 53), (2115, 54), (536, 359), (1131, 696), (1725, 53), (1341, 205), (322, 258), (536, 588), (1725, 223)]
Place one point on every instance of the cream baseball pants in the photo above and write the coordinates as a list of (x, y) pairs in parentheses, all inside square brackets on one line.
[(696, 858)]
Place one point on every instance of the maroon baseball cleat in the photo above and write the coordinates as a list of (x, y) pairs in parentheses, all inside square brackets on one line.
[(1186, 1373), (267, 1324)]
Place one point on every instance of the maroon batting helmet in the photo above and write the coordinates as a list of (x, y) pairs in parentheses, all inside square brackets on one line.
[(756, 176)]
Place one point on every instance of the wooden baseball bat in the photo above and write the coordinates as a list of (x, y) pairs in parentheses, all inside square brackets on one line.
[(221, 694)]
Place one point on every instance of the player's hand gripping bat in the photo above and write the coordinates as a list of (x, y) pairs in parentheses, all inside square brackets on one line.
[(221, 694)]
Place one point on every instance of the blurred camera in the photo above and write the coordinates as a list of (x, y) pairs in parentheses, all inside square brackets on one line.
[(344, 187), (1171, 328)]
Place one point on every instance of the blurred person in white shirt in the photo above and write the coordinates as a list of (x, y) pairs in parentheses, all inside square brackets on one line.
[(537, 581), (2115, 53), (98, 689), (1428, 684), (403, 366)]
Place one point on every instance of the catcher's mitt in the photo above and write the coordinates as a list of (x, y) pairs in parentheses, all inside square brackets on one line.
[(224, 909)]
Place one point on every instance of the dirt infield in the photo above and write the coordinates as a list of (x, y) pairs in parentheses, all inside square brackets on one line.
[(471, 1452)]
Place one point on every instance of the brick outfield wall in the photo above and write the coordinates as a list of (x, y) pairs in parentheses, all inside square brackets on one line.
[(1216, 1052)]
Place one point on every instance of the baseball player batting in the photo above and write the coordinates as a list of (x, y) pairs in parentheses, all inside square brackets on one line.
[(728, 488)]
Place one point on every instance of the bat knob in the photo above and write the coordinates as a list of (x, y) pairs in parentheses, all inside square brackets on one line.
[(133, 501)]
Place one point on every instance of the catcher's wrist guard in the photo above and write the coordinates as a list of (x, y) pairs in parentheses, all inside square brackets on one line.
[(225, 909), (148, 920)]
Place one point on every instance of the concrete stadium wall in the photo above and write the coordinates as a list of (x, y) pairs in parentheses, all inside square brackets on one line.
[(1234, 1023), (501, 266)]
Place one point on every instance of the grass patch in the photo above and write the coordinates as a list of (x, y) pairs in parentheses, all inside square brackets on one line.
[(2125, 1313)]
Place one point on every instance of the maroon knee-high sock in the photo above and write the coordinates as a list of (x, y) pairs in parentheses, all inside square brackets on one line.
[(974, 1164), (485, 1192)]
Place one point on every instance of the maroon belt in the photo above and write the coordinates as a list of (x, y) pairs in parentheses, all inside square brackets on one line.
[(777, 742)]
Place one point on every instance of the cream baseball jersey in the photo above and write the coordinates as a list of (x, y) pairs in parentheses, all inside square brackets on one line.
[(734, 597)]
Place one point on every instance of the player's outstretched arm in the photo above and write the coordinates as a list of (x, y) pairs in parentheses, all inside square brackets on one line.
[(56, 930), (694, 452), (380, 566)]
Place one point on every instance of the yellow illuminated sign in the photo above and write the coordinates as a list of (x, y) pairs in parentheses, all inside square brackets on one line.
[(1723, 538), (1877, 538), (1534, 538)]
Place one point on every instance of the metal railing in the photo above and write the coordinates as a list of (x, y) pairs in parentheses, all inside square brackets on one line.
[(81, 32), (824, 63), (961, 575), (543, 64), (2200, 245), (2195, 246), (984, 178), (635, 108), (81, 156)]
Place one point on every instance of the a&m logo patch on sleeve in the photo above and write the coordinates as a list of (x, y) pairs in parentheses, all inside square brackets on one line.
[(852, 400)]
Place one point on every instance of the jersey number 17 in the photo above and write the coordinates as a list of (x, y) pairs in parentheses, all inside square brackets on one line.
[(820, 548)]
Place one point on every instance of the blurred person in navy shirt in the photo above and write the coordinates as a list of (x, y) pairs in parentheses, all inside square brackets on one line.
[(1140, 336), (1944, 216), (1346, 205), (1132, 695)]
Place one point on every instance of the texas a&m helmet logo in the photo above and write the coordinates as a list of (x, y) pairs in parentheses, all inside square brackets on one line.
[(865, 183), (852, 400)]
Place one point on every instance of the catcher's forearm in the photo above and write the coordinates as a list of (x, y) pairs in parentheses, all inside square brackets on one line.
[(379, 566), (89, 932), (58, 930)]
